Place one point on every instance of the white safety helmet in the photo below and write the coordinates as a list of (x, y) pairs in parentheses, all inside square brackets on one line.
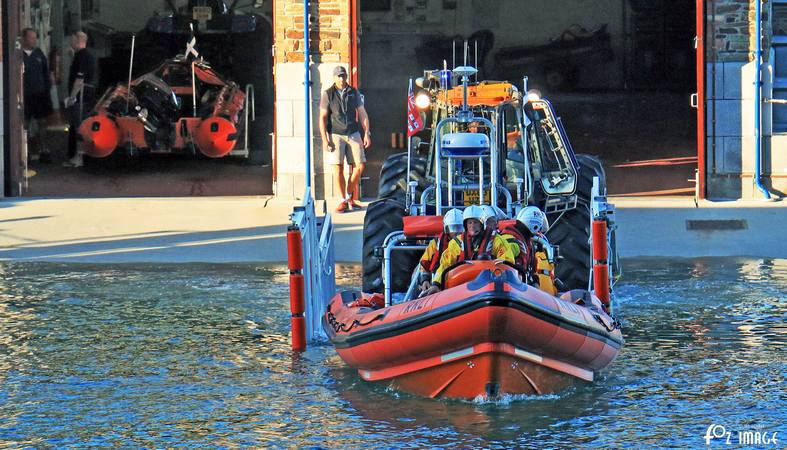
[(487, 212), (453, 221), (534, 219), (473, 212)]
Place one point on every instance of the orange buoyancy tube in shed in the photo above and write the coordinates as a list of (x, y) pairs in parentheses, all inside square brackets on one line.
[(217, 135), (100, 134)]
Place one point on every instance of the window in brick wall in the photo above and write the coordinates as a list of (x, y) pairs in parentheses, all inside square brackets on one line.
[(375, 5)]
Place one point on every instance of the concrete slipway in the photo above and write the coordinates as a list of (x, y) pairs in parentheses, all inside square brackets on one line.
[(251, 229)]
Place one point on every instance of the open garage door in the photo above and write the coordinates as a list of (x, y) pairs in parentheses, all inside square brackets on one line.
[(182, 128), (620, 72)]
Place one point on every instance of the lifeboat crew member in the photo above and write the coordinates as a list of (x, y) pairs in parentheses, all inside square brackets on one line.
[(537, 249), (466, 246), (517, 236), (489, 217), (452, 227)]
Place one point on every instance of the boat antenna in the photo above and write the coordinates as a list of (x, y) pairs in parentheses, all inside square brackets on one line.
[(130, 68), (476, 60), (453, 53)]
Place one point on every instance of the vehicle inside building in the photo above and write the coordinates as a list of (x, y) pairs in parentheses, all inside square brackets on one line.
[(230, 38)]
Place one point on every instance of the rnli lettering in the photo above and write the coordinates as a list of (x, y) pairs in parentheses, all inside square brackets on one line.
[(415, 305)]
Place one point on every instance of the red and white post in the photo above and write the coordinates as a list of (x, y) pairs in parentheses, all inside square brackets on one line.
[(601, 262), (297, 303)]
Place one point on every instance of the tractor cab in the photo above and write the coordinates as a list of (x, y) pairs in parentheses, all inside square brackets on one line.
[(495, 146)]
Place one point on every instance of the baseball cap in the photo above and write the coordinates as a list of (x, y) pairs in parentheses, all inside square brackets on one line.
[(339, 70)]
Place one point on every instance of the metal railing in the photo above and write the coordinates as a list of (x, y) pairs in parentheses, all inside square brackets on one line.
[(318, 264), (249, 111)]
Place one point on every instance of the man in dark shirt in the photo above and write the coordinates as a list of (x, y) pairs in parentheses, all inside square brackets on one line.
[(342, 120), (82, 84), (38, 103)]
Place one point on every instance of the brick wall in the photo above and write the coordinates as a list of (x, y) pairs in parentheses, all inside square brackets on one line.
[(329, 40), (731, 29)]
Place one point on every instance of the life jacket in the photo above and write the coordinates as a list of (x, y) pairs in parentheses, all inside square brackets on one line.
[(434, 262), (522, 236), (485, 247), (469, 251)]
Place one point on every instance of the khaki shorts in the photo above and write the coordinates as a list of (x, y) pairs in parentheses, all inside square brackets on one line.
[(350, 146)]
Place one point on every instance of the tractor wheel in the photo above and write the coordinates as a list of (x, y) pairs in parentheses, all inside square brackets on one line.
[(572, 234), (589, 167), (382, 218), (572, 231), (393, 176)]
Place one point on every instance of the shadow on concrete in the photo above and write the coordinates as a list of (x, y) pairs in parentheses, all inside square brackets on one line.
[(255, 244), (22, 219)]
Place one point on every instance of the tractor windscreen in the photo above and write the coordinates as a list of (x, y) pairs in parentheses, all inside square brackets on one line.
[(549, 150)]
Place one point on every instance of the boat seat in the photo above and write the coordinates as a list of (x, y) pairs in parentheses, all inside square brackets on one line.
[(422, 226)]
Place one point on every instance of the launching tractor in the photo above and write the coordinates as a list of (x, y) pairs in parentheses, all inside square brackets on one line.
[(485, 142)]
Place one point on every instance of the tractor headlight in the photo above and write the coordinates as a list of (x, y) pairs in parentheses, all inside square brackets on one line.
[(422, 100)]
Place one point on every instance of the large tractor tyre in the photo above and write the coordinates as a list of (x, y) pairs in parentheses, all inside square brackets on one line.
[(393, 176), (572, 231), (590, 166), (572, 234), (382, 218)]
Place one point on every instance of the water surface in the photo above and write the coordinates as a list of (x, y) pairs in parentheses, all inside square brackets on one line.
[(198, 356)]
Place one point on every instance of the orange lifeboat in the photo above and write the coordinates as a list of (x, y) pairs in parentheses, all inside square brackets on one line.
[(485, 336)]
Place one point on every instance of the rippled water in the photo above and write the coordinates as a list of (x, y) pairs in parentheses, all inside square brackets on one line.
[(198, 356)]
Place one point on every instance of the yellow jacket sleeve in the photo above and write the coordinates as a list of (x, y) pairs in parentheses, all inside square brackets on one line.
[(431, 249), (447, 259), (513, 245), (502, 250)]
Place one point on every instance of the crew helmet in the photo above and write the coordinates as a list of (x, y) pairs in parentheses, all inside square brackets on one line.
[(487, 212), (534, 219), (453, 221), (473, 212)]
